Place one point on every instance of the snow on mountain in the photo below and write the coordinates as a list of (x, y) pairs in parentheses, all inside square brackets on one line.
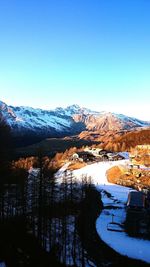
[(41, 118), (27, 118), (63, 121), (107, 121), (75, 109), (133, 120)]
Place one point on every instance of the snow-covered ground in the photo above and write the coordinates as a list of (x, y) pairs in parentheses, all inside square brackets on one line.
[(98, 170), (119, 241), (114, 209), (59, 174)]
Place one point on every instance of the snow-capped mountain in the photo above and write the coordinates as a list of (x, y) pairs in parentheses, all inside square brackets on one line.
[(107, 121), (47, 122), (63, 121)]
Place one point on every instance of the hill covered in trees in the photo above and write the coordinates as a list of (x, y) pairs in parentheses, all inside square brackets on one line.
[(129, 140)]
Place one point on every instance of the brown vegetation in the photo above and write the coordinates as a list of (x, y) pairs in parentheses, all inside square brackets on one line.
[(113, 174), (141, 155), (133, 177), (118, 140), (129, 140), (76, 165)]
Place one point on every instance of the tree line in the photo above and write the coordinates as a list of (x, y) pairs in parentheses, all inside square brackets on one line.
[(38, 211)]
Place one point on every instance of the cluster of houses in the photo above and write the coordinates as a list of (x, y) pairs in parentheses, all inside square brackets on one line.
[(98, 154)]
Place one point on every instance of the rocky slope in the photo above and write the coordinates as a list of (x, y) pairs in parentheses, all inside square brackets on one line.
[(30, 122), (37, 122), (107, 121)]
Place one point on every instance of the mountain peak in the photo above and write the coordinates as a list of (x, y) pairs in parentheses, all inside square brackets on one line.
[(74, 106), (64, 121)]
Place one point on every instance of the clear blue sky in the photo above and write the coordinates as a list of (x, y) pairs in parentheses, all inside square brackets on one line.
[(95, 53)]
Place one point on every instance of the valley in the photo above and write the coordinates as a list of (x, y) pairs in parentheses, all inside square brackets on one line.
[(75, 133), (67, 164)]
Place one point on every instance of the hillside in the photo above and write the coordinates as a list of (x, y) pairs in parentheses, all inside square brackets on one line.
[(107, 121), (129, 140), (29, 125), (50, 146)]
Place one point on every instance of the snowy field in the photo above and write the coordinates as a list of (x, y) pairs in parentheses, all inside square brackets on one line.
[(119, 241)]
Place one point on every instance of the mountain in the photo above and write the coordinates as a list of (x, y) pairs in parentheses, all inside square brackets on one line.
[(107, 121), (29, 123)]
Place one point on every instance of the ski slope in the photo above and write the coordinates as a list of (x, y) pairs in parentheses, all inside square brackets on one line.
[(132, 247)]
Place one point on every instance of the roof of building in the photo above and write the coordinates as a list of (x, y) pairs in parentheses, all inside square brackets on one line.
[(136, 198)]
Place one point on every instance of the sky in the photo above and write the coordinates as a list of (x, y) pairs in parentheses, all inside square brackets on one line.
[(94, 53)]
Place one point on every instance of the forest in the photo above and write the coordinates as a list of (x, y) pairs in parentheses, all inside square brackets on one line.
[(39, 216)]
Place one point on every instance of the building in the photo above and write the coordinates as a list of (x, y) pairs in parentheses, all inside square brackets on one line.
[(136, 201), (86, 156)]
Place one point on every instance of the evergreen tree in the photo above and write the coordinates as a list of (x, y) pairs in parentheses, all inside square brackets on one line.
[(5, 148)]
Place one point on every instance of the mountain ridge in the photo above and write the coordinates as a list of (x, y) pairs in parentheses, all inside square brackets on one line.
[(27, 121)]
